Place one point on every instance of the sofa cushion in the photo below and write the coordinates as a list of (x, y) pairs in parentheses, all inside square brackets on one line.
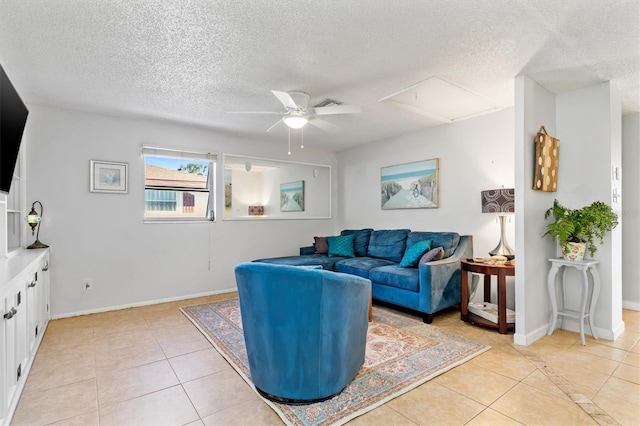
[(341, 246), (360, 266), (320, 244), (388, 244), (433, 254), (394, 276), (306, 260), (361, 240), (413, 253), (447, 240)]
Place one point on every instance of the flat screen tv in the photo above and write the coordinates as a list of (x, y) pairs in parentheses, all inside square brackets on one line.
[(13, 116)]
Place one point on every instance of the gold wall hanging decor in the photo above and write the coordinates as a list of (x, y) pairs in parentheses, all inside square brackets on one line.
[(547, 159)]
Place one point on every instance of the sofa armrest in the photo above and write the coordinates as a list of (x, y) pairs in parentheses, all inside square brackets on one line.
[(307, 250), (440, 280)]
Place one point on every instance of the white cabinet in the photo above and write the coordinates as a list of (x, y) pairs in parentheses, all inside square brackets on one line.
[(15, 323), (12, 212), (37, 301), (24, 310)]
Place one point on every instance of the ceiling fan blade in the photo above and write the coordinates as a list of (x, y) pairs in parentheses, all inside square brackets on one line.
[(253, 112), (285, 98), (324, 125), (337, 109), (272, 127)]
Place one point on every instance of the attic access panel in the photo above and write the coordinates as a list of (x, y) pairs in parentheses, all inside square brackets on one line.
[(442, 100)]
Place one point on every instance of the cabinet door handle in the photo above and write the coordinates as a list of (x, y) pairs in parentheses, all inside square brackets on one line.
[(11, 313), (45, 268), (33, 284)]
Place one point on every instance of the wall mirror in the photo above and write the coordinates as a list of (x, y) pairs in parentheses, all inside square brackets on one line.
[(260, 188)]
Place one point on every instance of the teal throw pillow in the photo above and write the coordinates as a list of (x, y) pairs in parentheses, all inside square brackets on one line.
[(413, 254), (341, 246)]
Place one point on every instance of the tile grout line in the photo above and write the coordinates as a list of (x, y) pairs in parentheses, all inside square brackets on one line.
[(585, 403), (180, 383), (95, 362)]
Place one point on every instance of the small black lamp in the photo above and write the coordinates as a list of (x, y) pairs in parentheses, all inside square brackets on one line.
[(33, 219)]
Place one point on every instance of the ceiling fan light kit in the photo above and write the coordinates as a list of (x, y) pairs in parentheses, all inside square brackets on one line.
[(295, 121), (298, 112)]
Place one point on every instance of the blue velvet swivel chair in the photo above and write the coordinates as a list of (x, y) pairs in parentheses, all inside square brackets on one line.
[(305, 329)]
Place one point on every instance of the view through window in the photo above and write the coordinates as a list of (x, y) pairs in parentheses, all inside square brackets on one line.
[(178, 185)]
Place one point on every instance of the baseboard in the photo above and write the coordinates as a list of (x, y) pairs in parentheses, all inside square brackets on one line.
[(571, 324), (574, 325), (618, 330), (527, 339), (145, 303)]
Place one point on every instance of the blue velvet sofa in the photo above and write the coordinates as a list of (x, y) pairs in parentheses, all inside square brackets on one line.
[(427, 287), (305, 329)]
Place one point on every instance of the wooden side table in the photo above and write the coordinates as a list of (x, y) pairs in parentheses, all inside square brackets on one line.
[(502, 272), (582, 265)]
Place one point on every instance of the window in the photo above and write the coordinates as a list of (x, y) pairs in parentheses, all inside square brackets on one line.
[(178, 185)]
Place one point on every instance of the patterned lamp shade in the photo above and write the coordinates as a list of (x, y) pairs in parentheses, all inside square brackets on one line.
[(501, 201), (256, 210), (498, 200)]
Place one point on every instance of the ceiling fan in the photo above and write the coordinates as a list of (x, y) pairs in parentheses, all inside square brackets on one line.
[(298, 112)]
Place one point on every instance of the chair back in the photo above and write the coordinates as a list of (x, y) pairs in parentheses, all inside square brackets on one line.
[(305, 329)]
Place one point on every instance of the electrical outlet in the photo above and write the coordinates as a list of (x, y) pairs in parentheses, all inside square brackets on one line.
[(87, 284)]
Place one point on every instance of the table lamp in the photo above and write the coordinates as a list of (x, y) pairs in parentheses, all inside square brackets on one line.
[(502, 202), (33, 219)]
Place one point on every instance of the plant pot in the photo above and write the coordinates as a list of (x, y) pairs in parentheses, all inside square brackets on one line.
[(574, 251)]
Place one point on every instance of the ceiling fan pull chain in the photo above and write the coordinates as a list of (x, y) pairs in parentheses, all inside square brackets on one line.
[(289, 153), (302, 138)]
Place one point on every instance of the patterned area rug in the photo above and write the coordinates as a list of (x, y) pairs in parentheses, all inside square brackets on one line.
[(402, 353)]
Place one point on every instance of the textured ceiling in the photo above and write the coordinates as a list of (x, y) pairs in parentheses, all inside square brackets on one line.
[(190, 61)]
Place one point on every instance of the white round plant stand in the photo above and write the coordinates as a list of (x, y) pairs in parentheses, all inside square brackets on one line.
[(582, 265)]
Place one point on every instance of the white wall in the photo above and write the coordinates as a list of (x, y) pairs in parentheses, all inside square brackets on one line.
[(589, 127), (102, 236), (535, 107), (475, 155), (587, 122), (631, 211)]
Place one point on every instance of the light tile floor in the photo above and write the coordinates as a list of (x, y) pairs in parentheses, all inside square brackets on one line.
[(151, 366)]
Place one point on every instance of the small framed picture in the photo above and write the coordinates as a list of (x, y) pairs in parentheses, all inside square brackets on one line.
[(107, 176), (292, 196)]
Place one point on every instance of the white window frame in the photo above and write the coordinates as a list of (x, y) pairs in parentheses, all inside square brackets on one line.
[(212, 158)]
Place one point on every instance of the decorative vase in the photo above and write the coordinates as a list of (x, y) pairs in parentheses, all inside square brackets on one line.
[(574, 251)]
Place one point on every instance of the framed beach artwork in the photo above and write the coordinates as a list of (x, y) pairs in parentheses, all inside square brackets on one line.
[(410, 185), (107, 176), (292, 196)]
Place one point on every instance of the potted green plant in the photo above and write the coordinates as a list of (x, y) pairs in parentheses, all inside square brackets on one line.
[(579, 229)]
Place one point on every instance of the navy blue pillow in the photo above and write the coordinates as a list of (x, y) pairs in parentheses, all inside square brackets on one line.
[(361, 240)]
